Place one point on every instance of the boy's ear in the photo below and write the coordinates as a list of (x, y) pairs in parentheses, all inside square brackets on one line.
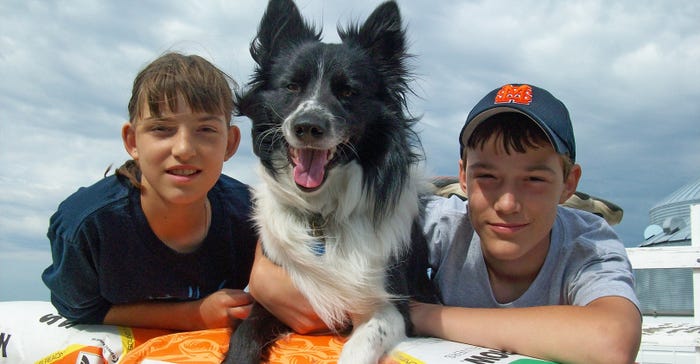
[(233, 141), (571, 183), (129, 139), (462, 177)]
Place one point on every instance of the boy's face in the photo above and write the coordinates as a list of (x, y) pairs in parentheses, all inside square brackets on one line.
[(513, 199), (181, 153)]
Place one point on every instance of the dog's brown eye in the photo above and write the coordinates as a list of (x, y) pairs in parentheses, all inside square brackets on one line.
[(293, 87), (346, 92)]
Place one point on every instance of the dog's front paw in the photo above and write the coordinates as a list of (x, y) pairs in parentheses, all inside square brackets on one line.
[(360, 352), (374, 338)]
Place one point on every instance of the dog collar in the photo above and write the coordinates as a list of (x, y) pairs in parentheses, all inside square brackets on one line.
[(316, 225)]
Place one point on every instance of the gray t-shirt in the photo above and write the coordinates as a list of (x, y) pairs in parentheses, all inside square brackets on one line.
[(585, 261)]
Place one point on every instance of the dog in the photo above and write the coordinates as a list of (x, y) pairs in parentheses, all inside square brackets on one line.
[(340, 165)]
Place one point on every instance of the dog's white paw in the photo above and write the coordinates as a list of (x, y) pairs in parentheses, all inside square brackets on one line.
[(374, 338)]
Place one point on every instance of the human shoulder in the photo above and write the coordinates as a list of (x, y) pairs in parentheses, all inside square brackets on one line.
[(591, 257), (586, 229), (232, 193), (444, 220), (232, 187), (445, 206), (108, 195), (87, 200)]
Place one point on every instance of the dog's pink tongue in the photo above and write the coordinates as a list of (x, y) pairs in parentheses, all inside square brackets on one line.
[(310, 167)]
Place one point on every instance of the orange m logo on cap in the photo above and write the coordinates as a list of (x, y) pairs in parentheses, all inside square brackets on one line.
[(514, 94)]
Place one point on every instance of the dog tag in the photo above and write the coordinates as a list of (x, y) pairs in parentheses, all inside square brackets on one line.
[(318, 247)]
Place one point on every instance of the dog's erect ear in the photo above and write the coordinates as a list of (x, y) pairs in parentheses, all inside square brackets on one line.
[(382, 35), (280, 28)]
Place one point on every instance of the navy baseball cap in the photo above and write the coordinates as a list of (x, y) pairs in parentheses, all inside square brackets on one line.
[(538, 104)]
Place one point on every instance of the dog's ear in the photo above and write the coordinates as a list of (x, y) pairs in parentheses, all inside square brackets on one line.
[(382, 35), (281, 27)]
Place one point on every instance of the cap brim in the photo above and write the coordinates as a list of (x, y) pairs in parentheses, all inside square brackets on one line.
[(469, 128)]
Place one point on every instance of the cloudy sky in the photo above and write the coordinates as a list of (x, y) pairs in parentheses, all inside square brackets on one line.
[(628, 71)]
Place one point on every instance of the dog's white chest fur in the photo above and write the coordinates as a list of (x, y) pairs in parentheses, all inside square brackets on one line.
[(346, 276)]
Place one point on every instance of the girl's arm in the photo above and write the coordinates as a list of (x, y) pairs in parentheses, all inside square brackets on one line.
[(223, 308)]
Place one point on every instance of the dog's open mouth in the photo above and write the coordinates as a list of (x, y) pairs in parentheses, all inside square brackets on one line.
[(310, 166)]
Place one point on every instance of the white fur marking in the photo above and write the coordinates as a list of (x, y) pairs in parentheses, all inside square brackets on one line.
[(374, 338)]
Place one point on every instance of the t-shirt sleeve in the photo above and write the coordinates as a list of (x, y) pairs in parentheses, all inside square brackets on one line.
[(72, 277), (604, 268), (431, 230), (608, 276)]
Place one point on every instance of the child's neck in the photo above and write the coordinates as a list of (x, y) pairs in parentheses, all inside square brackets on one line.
[(511, 279), (182, 228), (508, 288)]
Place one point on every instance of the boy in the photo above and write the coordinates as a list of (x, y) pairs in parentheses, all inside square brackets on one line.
[(516, 271)]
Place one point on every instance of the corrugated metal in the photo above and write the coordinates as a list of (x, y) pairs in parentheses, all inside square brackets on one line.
[(676, 204), (678, 238), (669, 291)]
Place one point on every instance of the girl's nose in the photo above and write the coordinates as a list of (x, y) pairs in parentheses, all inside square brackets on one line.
[(183, 147)]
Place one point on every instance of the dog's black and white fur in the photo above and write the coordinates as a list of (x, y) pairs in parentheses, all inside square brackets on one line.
[(339, 162)]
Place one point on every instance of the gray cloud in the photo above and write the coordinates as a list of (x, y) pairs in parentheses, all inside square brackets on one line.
[(626, 70)]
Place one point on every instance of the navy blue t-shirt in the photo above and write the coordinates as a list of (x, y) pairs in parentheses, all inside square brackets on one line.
[(105, 253)]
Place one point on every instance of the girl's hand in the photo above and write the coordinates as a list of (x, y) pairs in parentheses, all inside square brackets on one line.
[(224, 308)]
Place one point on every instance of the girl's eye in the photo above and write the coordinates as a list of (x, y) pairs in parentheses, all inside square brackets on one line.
[(159, 128)]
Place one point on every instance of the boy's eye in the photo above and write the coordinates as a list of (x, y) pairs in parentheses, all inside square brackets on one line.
[(536, 179), (208, 129), (485, 176)]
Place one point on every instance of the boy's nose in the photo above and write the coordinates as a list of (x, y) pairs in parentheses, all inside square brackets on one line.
[(507, 203)]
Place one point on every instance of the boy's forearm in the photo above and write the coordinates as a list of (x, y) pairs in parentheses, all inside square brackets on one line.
[(603, 332)]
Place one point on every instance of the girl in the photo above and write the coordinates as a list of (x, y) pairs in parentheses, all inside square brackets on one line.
[(165, 242)]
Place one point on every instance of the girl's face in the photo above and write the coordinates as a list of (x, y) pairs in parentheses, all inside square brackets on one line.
[(181, 153)]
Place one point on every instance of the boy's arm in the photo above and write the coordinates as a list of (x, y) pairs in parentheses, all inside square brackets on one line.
[(223, 308), (273, 288), (608, 330)]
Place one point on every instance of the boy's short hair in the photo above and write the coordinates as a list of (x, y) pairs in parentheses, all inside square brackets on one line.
[(536, 104), (516, 133)]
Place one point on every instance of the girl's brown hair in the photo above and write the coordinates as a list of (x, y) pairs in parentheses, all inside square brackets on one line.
[(204, 87)]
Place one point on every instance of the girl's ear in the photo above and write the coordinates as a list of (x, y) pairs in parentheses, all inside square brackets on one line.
[(234, 139), (571, 183), (129, 139)]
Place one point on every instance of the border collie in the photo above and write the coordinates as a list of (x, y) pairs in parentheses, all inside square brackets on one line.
[(339, 163)]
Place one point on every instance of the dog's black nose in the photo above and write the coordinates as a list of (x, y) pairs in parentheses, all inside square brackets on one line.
[(309, 130)]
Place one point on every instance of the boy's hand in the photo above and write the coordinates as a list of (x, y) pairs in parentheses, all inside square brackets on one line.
[(272, 287), (423, 315), (224, 308)]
